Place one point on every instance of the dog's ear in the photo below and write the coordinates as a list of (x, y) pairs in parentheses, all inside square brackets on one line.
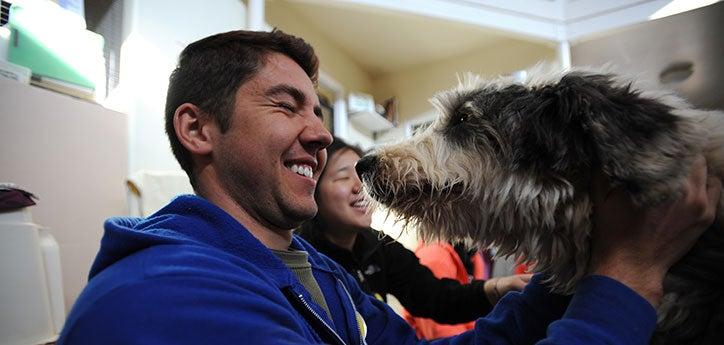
[(550, 140), (639, 142)]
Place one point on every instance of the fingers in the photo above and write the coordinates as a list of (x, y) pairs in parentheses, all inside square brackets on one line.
[(525, 277), (706, 190), (713, 193), (495, 288), (697, 174), (516, 282)]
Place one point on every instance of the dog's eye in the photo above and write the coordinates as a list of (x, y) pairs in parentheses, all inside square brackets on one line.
[(460, 118)]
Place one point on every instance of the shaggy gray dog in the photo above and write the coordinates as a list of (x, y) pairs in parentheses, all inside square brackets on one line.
[(509, 164)]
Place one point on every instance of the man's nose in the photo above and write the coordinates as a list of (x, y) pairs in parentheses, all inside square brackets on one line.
[(315, 135)]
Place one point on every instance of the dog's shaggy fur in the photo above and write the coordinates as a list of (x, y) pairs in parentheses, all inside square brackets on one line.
[(508, 164)]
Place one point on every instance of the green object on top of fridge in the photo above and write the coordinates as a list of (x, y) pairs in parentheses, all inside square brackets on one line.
[(53, 44)]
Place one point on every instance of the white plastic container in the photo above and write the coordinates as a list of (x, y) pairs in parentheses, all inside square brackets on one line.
[(4, 42), (32, 310)]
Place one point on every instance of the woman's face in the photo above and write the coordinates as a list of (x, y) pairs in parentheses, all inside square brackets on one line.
[(341, 203)]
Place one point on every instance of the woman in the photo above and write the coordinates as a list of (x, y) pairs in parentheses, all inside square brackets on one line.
[(381, 265)]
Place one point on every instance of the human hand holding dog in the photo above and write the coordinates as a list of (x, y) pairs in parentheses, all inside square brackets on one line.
[(496, 288), (637, 245)]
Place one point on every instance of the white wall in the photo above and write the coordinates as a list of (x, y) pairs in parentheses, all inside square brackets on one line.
[(72, 155), (332, 60), (157, 32), (413, 87)]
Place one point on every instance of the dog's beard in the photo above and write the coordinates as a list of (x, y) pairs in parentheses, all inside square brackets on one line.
[(531, 220)]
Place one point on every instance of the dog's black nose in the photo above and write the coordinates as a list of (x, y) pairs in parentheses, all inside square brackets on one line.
[(366, 165)]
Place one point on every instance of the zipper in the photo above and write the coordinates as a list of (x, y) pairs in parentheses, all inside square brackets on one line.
[(351, 302), (327, 331)]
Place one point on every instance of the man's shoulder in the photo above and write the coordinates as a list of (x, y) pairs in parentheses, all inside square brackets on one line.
[(163, 278), (174, 260), (171, 264)]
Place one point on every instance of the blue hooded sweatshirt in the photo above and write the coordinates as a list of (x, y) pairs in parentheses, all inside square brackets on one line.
[(191, 274)]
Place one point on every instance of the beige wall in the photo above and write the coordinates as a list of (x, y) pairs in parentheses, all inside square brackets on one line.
[(74, 156), (414, 86), (333, 60)]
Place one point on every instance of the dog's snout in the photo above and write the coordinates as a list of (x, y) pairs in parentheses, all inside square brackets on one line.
[(366, 165)]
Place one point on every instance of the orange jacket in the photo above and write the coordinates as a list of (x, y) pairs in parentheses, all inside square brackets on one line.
[(444, 262)]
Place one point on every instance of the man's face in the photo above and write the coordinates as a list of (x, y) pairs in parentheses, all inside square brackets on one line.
[(270, 158)]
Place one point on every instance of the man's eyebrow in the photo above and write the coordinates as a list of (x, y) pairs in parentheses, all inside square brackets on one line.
[(287, 89), (295, 93)]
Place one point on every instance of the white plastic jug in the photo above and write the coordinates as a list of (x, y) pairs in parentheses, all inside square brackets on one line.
[(32, 310)]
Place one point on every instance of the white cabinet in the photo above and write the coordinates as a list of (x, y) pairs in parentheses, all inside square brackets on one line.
[(371, 121), (74, 156)]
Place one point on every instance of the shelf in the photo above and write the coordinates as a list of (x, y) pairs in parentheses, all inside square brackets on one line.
[(370, 120)]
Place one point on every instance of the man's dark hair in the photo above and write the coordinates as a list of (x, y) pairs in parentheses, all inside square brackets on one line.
[(211, 70), (314, 228)]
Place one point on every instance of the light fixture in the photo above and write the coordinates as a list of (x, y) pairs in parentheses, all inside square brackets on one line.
[(678, 6), (676, 72)]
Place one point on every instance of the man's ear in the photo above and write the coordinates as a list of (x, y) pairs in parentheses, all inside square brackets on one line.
[(194, 129)]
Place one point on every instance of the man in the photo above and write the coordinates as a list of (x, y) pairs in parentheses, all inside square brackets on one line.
[(223, 266)]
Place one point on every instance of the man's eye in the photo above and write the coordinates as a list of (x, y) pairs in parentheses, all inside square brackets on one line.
[(286, 106)]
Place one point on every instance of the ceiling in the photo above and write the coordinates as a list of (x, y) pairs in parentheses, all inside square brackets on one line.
[(382, 41), (385, 36)]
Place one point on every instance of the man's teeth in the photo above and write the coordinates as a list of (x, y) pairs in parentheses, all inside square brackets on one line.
[(304, 170)]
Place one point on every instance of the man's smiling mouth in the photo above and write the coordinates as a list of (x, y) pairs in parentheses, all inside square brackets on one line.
[(302, 169)]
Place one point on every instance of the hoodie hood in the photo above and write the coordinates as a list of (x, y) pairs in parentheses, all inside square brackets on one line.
[(187, 220)]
